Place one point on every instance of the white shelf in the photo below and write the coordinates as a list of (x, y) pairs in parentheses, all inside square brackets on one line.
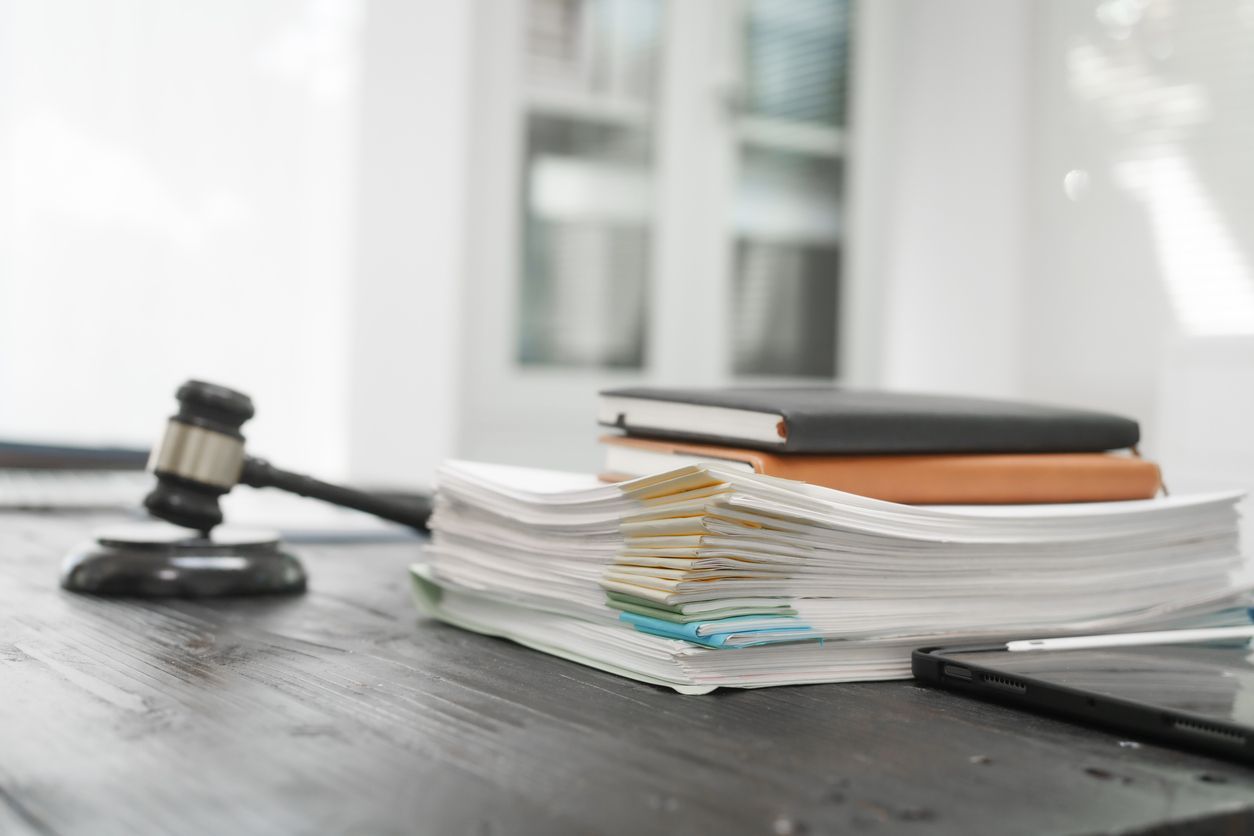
[(786, 135), (572, 189), (587, 107), (802, 239)]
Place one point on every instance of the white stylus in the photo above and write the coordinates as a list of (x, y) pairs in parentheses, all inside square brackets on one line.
[(1132, 639)]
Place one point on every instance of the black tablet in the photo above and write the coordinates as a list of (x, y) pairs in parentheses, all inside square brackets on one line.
[(1194, 689)]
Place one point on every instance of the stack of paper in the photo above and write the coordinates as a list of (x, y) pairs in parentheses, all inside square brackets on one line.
[(706, 576)]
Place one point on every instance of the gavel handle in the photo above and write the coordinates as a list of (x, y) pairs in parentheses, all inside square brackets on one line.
[(259, 473)]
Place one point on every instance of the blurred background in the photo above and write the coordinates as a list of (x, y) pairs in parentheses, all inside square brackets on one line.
[(414, 230)]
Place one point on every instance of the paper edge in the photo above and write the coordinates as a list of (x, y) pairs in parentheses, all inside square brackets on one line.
[(427, 595)]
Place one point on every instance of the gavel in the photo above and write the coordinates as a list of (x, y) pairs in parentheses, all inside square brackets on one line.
[(201, 457)]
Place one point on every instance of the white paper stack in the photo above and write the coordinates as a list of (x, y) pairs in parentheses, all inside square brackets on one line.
[(706, 576)]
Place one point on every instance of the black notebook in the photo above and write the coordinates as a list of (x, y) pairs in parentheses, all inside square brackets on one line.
[(846, 421)]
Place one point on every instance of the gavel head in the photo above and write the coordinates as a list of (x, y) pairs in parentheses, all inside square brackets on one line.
[(200, 457)]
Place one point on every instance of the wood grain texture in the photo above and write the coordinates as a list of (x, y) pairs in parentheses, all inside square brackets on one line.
[(342, 711)]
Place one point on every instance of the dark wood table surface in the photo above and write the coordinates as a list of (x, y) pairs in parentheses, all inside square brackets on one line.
[(343, 711)]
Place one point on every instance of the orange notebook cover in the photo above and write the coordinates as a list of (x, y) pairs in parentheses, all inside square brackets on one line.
[(941, 479)]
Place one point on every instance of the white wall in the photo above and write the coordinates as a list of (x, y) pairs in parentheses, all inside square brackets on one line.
[(177, 203), (1141, 290), (1057, 206), (947, 96), (264, 195), (412, 231)]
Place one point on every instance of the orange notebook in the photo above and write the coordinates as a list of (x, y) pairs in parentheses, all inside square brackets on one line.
[(941, 479)]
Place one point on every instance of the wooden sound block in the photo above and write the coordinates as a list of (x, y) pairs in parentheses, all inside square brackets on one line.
[(162, 560)]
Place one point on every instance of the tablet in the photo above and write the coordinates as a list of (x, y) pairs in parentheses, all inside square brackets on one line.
[(1188, 688)]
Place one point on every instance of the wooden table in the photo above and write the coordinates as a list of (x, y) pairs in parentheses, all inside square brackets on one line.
[(341, 711)]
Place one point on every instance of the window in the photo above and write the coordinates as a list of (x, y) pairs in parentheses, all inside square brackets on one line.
[(676, 172)]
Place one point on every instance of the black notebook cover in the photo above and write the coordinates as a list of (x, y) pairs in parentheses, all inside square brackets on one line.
[(845, 421)]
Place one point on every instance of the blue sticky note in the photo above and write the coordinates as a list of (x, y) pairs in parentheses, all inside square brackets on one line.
[(688, 632), (670, 629)]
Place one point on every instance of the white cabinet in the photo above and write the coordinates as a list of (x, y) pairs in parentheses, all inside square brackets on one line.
[(657, 196)]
